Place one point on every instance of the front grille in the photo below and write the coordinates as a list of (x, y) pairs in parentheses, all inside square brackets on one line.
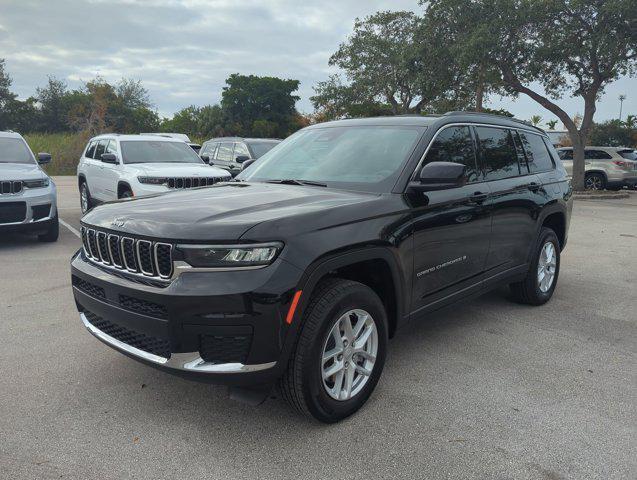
[(10, 187), (151, 259), (88, 288), (144, 307), (191, 182), (155, 345), (41, 211), (224, 348), (12, 212)]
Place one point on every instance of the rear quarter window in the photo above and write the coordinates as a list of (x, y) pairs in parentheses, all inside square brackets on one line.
[(537, 155)]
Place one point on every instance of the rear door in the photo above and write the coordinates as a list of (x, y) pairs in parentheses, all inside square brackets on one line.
[(513, 203), (451, 227), (240, 149)]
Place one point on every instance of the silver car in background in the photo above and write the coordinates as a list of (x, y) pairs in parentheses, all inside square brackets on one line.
[(27, 194), (609, 168)]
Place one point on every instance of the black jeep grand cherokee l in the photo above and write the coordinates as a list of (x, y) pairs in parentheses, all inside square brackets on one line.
[(300, 271)]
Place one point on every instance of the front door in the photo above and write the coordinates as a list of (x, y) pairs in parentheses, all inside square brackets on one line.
[(110, 172), (452, 227)]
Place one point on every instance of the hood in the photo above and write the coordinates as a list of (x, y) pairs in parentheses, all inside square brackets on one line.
[(222, 212), (20, 171), (176, 170)]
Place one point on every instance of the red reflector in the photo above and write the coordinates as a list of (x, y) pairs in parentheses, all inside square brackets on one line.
[(295, 302)]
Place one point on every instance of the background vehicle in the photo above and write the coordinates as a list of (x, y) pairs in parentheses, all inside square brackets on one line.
[(346, 231), (609, 168), (229, 153), (180, 136), (120, 166), (27, 194)]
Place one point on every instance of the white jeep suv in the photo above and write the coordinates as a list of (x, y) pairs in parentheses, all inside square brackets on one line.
[(118, 166)]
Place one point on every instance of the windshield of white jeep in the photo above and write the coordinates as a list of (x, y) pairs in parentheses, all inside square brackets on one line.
[(139, 151), (367, 158), (14, 150)]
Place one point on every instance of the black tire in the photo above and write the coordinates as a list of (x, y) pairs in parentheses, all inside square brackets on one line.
[(615, 188), (126, 193), (52, 234), (302, 384), (89, 202), (528, 290), (594, 181)]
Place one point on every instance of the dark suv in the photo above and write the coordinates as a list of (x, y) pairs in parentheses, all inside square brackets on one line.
[(300, 271)]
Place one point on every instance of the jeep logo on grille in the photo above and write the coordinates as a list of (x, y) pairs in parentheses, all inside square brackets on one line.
[(118, 222)]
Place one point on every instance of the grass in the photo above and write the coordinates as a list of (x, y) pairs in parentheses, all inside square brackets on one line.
[(65, 148)]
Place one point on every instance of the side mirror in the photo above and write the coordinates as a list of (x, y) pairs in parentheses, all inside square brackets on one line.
[(247, 163), (109, 158), (242, 158), (206, 159), (440, 176), (44, 158)]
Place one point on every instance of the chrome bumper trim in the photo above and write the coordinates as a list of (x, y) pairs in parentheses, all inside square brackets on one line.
[(188, 362)]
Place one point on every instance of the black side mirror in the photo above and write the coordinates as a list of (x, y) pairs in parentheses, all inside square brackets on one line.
[(109, 158), (247, 163), (440, 176), (206, 159), (44, 158), (242, 158)]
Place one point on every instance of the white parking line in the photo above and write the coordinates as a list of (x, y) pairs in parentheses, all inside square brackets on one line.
[(71, 229)]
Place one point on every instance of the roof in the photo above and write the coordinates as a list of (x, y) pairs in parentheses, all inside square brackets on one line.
[(9, 134), (593, 147), (148, 138), (243, 139)]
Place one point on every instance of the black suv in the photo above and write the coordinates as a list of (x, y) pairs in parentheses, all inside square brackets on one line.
[(298, 272)]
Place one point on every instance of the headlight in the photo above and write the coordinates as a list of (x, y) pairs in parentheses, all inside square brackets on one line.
[(152, 180), (230, 256), (41, 183)]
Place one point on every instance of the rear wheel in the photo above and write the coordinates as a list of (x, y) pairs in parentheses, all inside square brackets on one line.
[(340, 352), (85, 198), (51, 235), (538, 286), (594, 181)]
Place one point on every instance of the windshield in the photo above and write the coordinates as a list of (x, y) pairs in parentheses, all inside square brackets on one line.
[(14, 150), (367, 158), (261, 148), (158, 152)]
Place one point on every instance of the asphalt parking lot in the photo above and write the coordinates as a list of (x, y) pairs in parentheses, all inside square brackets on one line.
[(489, 389)]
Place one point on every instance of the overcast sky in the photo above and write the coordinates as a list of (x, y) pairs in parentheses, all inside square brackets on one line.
[(183, 50)]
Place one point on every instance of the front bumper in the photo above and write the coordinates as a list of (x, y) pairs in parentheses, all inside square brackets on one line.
[(216, 327), (36, 209)]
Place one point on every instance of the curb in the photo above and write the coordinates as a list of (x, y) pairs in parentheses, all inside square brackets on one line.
[(599, 196)]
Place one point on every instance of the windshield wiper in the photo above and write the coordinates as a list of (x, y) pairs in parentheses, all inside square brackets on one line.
[(293, 181)]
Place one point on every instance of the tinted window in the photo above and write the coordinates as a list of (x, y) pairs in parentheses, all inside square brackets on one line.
[(596, 155), (90, 151), (565, 154), (537, 155), (261, 148), (224, 154), (499, 157), (365, 158), (209, 149), (147, 151), (240, 149), (454, 144), (14, 150), (101, 148), (628, 154)]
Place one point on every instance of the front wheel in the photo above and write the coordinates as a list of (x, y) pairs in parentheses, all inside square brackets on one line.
[(538, 286), (340, 352), (85, 198)]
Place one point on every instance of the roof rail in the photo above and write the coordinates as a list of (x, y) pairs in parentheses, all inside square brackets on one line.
[(513, 119), (7, 131)]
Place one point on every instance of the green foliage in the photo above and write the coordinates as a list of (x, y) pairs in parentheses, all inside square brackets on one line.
[(65, 148), (614, 133), (535, 120), (551, 124), (248, 99)]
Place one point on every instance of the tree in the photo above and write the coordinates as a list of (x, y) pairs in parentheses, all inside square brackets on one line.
[(613, 133), (573, 47), (53, 106), (7, 98), (551, 124), (133, 94), (535, 120), (249, 98)]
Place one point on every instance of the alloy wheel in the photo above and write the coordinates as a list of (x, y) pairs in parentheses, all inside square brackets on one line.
[(546, 267), (349, 354), (593, 182)]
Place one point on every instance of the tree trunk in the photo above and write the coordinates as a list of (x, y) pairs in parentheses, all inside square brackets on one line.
[(578, 161)]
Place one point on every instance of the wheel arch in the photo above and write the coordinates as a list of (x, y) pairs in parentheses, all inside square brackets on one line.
[(375, 267), (123, 185), (81, 178)]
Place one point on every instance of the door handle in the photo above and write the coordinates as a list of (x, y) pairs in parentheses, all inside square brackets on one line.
[(534, 187), (478, 197)]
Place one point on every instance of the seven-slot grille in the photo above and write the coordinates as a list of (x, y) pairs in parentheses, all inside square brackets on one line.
[(191, 182), (151, 259), (10, 187)]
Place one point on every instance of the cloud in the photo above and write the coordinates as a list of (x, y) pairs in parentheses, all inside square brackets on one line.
[(183, 50)]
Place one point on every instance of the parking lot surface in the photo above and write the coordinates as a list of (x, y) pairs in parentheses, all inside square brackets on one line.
[(488, 389)]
